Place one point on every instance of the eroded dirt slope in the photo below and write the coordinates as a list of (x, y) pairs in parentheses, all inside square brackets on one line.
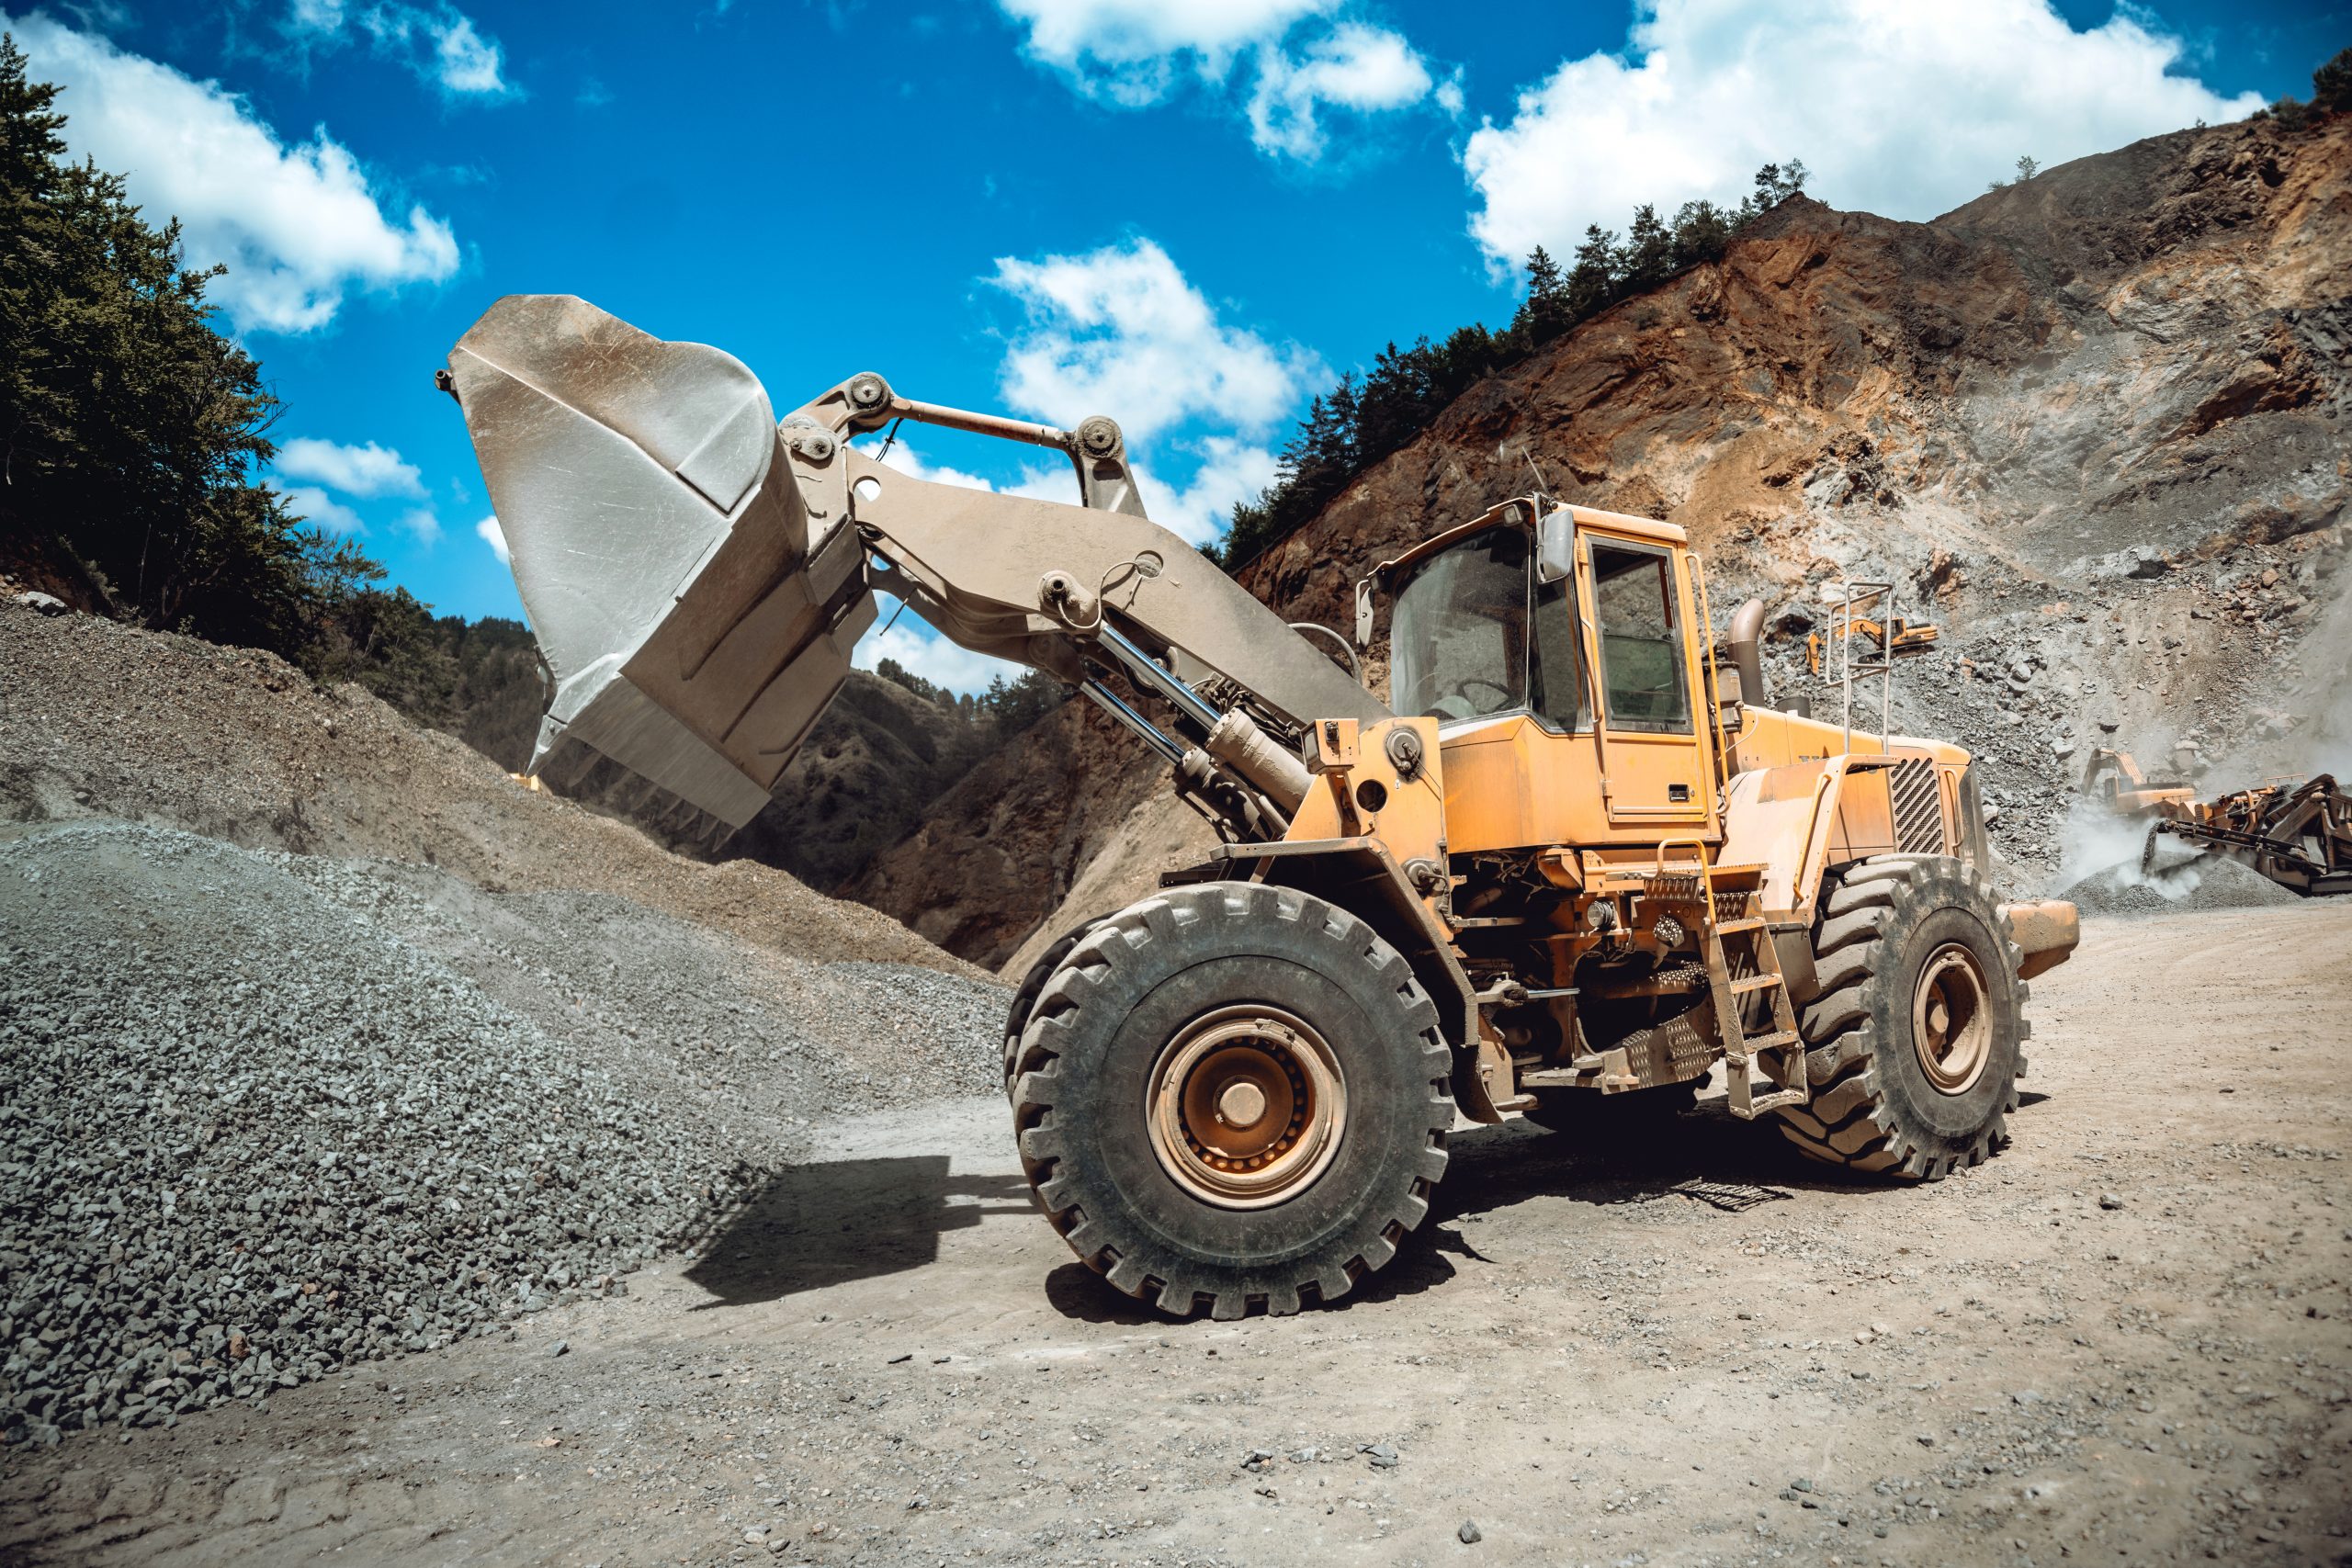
[(102, 720)]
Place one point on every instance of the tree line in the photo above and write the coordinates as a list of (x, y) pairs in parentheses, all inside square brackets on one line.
[(1005, 709), (1364, 419)]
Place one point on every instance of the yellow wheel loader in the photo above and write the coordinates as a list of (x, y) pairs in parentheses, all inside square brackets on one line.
[(1571, 866)]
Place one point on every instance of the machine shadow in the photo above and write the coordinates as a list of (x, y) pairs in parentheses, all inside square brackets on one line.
[(828, 1223), (1706, 1156)]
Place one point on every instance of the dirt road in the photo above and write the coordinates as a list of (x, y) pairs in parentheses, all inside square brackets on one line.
[(2126, 1340)]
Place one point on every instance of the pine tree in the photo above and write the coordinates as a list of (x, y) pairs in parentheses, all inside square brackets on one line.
[(1304, 459), (1701, 232), (1647, 259), (1544, 314), (1592, 280), (1544, 280)]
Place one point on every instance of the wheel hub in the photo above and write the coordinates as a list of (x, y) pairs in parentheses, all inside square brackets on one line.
[(1242, 1104), (1951, 1020), (1246, 1106)]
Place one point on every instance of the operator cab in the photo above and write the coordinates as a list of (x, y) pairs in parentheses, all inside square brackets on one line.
[(1515, 629)]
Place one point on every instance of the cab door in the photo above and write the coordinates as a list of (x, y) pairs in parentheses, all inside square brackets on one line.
[(1653, 764)]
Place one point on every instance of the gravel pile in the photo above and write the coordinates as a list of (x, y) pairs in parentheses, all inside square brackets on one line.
[(2214, 882), (262, 1116), (102, 720)]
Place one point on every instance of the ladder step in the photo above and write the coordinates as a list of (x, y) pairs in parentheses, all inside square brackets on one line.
[(1772, 1042), (1759, 983), (1745, 923)]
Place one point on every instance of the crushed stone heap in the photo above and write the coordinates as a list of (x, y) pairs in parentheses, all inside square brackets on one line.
[(262, 1116)]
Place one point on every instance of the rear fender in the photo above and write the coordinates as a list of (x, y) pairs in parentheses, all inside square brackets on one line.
[(1800, 820)]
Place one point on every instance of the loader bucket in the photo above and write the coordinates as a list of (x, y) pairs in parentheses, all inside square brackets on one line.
[(694, 623)]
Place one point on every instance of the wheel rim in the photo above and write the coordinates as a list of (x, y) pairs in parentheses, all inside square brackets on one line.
[(1951, 1020), (1246, 1107)]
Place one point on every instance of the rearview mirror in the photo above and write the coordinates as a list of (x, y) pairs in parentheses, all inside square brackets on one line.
[(1555, 544), (1363, 613)]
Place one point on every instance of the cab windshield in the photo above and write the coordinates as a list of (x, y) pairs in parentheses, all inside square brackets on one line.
[(1458, 637), (1472, 633)]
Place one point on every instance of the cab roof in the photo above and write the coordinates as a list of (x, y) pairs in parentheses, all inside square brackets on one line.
[(1525, 510)]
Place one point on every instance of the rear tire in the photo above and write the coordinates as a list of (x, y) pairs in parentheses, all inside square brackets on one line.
[(1233, 1095), (1915, 1037)]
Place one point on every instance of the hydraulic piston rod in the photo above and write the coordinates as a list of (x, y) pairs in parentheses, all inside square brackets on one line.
[(1147, 671), (1110, 702)]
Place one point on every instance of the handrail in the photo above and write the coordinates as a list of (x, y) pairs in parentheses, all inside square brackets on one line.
[(1706, 871), (1814, 838)]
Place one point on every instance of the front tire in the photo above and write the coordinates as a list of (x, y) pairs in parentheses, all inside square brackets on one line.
[(1032, 983), (1915, 1039), (1233, 1095)]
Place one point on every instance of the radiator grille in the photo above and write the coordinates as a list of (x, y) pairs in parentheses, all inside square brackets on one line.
[(1918, 807)]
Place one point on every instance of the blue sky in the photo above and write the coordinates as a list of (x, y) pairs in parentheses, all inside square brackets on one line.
[(1189, 214)]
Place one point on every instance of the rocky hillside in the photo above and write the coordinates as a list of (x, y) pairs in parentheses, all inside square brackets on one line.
[(2095, 423)]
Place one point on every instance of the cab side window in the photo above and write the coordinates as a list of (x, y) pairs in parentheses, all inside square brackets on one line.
[(1641, 646)]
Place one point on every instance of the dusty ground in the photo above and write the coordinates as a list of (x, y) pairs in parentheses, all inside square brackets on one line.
[(2124, 1340)]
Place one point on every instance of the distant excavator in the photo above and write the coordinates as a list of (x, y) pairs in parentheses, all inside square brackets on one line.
[(1570, 865), (2296, 832), (1893, 637)]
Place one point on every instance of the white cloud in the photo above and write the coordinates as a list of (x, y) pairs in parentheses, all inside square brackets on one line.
[(1354, 67), (440, 43), (321, 510), (1896, 107), (926, 653), (490, 534), (419, 524), (1285, 56), (443, 47), (299, 226), (1129, 50), (1120, 332), (354, 470), (1448, 95), (1230, 471)]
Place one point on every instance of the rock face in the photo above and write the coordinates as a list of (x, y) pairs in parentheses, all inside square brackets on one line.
[(1003, 848), (2094, 424)]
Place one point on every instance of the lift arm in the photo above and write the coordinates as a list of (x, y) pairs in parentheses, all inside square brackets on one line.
[(697, 571)]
